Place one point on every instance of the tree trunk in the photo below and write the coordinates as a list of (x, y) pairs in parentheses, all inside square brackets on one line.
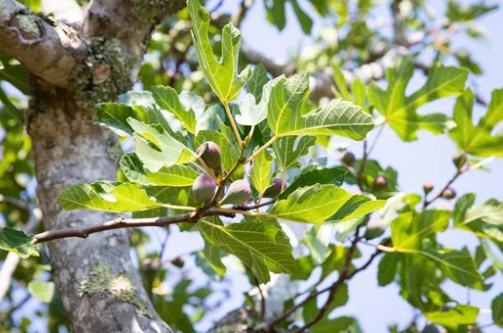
[(71, 148)]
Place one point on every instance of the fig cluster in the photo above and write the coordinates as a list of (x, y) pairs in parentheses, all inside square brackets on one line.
[(210, 154)]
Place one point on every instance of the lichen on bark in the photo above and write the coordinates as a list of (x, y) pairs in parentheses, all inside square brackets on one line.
[(99, 281), (102, 53), (28, 24), (149, 11)]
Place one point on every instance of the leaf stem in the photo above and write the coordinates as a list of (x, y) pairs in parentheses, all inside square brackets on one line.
[(192, 209), (233, 124), (267, 144), (206, 170), (242, 212)]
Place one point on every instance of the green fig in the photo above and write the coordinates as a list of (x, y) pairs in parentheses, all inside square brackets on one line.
[(348, 158), (380, 183), (275, 189), (427, 187), (210, 154), (459, 160), (430, 329), (203, 189), (449, 193), (238, 193), (375, 228)]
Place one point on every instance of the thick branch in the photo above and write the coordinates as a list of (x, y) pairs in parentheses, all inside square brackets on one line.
[(48, 49), (121, 223)]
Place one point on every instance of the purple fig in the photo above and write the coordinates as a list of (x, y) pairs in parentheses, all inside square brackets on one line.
[(238, 193), (211, 155), (380, 183), (449, 193), (203, 189), (348, 158), (275, 189)]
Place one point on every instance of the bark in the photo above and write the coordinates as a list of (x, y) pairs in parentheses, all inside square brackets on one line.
[(71, 148)]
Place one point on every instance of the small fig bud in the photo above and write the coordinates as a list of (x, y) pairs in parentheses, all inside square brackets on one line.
[(275, 189), (459, 160), (375, 228), (238, 193), (427, 187), (348, 158), (430, 329), (449, 193), (203, 189), (380, 183), (211, 155)]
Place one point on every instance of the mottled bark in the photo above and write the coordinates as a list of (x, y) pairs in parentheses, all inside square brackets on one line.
[(71, 148)]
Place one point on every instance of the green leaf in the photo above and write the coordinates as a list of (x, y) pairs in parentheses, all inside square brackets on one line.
[(15, 73), (453, 318), (287, 114), (252, 243), (340, 81), (400, 110), (357, 206), (133, 169), (478, 140), (114, 116), (261, 172), (334, 176), (221, 75), (43, 291), (230, 153), (257, 82), (107, 196), (337, 325), (457, 265), (168, 99), (304, 266), (311, 204), (305, 21), (176, 176), (287, 152), (156, 148), (18, 242), (388, 268), (317, 239), (7, 104), (409, 229), (497, 310)]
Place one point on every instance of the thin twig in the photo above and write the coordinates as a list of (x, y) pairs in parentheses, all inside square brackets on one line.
[(120, 223), (362, 166), (233, 124), (245, 208), (262, 300), (258, 151), (458, 173)]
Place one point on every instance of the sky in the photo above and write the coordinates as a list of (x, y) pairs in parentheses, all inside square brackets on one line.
[(428, 159)]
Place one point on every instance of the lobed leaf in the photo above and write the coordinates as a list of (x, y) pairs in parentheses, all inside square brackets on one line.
[(18, 242)]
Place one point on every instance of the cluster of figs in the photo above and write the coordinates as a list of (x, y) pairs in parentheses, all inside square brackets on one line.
[(239, 192)]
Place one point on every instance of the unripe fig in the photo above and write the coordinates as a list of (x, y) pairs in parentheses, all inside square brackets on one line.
[(203, 189), (375, 228), (211, 155), (380, 183), (178, 262), (238, 193), (427, 187), (348, 158), (275, 189), (459, 160), (449, 193)]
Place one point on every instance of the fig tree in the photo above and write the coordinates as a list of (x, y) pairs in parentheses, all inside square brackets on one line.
[(203, 189), (380, 183), (238, 193), (275, 189), (211, 155), (449, 193), (348, 158)]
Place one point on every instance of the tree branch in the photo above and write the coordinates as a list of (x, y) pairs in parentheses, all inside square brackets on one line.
[(50, 50), (121, 223)]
